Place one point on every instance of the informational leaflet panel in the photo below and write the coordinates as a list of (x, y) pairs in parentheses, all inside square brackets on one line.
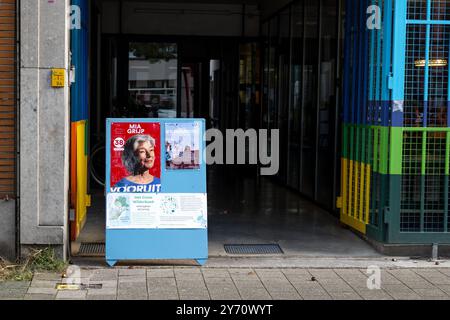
[(135, 199), (155, 211)]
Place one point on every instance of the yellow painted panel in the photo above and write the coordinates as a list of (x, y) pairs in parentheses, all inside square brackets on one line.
[(344, 185), (339, 202), (354, 223), (88, 200), (354, 213), (361, 193), (350, 183), (82, 176), (355, 182), (368, 176)]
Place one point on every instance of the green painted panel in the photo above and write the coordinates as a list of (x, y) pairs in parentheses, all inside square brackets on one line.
[(396, 151)]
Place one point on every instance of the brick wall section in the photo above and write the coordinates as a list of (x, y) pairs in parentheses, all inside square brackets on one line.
[(7, 98)]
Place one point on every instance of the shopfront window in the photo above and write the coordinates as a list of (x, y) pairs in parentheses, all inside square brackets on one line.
[(300, 98), (152, 80)]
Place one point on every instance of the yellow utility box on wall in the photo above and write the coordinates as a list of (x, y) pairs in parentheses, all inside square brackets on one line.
[(58, 78)]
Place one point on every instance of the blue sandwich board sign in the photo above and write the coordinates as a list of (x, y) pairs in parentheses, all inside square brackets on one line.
[(156, 200)]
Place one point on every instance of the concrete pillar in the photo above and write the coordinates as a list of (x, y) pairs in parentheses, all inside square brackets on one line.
[(7, 229), (44, 125)]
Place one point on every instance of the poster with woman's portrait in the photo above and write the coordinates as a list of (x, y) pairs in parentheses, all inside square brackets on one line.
[(135, 158)]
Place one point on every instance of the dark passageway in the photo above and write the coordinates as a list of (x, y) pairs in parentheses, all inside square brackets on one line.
[(280, 76), (242, 210)]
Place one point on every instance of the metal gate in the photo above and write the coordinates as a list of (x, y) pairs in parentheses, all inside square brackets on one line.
[(420, 134), (396, 138)]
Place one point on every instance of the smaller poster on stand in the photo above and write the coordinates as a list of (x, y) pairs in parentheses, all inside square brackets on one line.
[(182, 146)]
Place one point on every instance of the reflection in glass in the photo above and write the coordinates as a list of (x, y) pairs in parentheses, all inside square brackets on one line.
[(249, 81), (283, 61), (327, 104), (266, 75), (188, 75), (296, 95), (273, 75), (152, 80), (309, 121)]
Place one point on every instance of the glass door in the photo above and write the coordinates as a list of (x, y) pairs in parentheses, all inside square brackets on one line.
[(152, 80)]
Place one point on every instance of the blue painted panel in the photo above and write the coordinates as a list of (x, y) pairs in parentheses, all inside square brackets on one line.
[(347, 52), (361, 67), (366, 69), (147, 244), (80, 60), (142, 244), (398, 59), (432, 22), (355, 62), (386, 69)]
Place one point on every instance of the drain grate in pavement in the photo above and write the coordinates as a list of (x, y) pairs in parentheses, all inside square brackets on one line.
[(92, 249), (253, 249)]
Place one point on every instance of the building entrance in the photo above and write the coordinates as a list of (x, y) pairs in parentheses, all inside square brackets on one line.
[(247, 82)]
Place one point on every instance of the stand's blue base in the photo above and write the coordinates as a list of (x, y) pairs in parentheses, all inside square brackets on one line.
[(156, 244), (111, 263), (201, 261)]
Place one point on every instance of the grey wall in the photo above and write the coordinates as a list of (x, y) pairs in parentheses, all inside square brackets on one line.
[(7, 229), (44, 124), (199, 19)]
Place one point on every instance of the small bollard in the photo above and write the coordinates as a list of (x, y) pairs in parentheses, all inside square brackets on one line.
[(434, 252)]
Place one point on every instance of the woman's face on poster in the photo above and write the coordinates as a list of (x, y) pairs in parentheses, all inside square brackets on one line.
[(145, 153)]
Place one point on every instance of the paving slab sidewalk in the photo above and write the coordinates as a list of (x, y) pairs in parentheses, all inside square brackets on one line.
[(205, 283)]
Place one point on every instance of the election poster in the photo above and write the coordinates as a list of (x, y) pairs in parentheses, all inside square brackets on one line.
[(135, 157), (182, 145)]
